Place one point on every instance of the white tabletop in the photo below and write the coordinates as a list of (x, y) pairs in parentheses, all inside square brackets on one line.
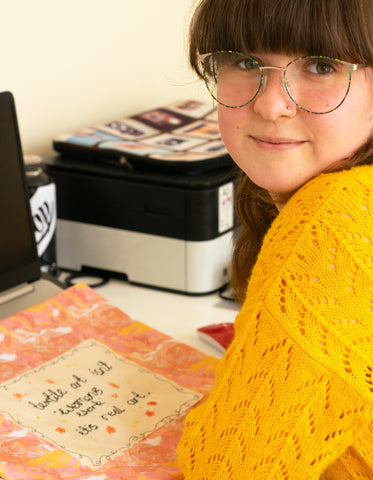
[(174, 314)]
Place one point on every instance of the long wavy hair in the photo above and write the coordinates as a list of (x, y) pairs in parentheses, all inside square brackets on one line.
[(336, 28)]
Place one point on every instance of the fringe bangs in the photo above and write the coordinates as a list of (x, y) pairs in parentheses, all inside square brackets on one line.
[(335, 28)]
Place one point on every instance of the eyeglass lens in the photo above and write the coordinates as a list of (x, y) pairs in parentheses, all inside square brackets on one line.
[(315, 84)]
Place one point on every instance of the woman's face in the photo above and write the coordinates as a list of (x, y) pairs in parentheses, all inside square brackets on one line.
[(281, 147)]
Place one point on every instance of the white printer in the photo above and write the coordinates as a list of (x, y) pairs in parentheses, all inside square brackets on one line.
[(165, 229), (147, 197)]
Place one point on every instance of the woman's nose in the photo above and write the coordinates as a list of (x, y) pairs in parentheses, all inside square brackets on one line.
[(273, 100)]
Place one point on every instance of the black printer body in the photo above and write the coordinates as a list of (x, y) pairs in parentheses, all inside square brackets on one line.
[(162, 229)]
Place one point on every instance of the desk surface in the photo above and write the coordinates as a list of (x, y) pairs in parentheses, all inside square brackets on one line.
[(174, 314)]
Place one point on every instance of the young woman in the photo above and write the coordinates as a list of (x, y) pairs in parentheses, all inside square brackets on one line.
[(293, 398)]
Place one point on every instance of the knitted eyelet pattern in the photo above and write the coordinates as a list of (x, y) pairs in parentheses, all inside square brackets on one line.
[(293, 398)]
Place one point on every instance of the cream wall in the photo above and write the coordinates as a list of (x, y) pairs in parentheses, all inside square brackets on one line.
[(73, 63)]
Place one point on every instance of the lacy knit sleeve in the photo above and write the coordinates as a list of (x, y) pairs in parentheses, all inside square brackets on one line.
[(293, 398)]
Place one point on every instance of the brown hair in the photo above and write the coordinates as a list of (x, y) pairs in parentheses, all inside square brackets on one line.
[(336, 28)]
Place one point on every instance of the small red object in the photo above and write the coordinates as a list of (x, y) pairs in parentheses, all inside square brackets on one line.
[(219, 335)]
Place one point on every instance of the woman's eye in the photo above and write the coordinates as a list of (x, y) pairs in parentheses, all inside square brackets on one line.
[(246, 64), (320, 68)]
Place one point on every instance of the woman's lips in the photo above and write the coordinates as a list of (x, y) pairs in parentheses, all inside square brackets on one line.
[(276, 144)]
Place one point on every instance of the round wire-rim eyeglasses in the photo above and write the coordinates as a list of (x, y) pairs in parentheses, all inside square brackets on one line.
[(351, 68)]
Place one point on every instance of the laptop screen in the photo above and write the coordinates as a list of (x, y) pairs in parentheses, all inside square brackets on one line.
[(18, 255)]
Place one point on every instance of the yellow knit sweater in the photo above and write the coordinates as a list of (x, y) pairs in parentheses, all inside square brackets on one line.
[(293, 398)]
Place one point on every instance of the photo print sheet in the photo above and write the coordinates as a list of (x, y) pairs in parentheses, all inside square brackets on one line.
[(171, 133)]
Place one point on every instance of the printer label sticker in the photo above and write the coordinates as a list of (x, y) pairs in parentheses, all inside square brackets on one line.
[(226, 216)]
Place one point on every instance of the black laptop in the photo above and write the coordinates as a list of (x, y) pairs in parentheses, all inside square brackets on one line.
[(21, 285)]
